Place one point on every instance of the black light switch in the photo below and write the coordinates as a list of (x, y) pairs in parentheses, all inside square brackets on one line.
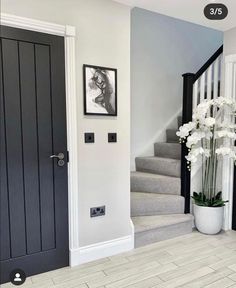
[(112, 137), (89, 138)]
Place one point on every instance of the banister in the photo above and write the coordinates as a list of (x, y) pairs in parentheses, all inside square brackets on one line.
[(188, 83), (208, 63)]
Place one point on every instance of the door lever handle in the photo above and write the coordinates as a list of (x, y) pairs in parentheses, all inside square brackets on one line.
[(60, 156)]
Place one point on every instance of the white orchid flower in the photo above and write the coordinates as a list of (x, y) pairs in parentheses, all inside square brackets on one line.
[(207, 153), (194, 138), (186, 129), (210, 122), (224, 134), (225, 151), (195, 152), (208, 135), (191, 158)]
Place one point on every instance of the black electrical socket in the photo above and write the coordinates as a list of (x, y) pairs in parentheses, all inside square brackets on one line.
[(112, 137), (89, 138), (97, 211)]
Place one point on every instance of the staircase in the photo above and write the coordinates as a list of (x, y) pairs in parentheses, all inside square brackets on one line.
[(157, 208)]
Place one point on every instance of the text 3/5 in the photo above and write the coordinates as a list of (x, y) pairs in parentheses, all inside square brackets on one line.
[(216, 11)]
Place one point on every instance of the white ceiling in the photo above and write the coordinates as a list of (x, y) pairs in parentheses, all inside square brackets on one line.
[(189, 10)]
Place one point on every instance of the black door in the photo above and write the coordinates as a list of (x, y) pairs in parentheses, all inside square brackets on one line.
[(34, 212)]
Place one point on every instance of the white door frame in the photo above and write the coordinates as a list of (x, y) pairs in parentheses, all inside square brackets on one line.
[(69, 33), (228, 165)]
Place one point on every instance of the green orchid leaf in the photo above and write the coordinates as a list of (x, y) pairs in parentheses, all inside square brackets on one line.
[(219, 195)]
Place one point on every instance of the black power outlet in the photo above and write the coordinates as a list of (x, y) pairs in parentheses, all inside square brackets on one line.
[(112, 137), (89, 138), (97, 211)]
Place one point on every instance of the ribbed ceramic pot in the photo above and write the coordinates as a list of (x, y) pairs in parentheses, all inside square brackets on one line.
[(208, 220)]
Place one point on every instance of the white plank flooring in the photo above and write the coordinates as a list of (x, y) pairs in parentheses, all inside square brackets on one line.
[(191, 261)]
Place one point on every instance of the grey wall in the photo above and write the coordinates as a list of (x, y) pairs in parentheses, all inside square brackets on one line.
[(230, 42), (162, 49), (103, 38)]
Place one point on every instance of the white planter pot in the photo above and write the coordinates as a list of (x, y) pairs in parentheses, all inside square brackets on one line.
[(208, 220)]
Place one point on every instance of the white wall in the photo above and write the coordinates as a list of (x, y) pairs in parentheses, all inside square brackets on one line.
[(229, 49), (227, 173), (103, 38), (162, 49)]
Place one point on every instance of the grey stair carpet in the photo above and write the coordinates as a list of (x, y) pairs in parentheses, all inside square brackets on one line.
[(153, 183), (157, 208), (158, 165), (146, 204), (179, 121), (171, 136), (150, 229), (167, 150)]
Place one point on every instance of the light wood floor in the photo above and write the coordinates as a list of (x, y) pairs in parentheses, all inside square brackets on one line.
[(190, 261)]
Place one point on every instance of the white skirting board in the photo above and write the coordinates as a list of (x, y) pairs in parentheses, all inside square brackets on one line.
[(101, 250)]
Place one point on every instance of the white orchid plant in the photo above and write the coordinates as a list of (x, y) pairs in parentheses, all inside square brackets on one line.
[(210, 135)]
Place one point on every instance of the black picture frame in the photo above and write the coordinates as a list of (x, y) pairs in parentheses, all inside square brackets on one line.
[(95, 103)]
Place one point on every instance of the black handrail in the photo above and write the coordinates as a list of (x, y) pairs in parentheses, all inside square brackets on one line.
[(189, 79), (210, 61)]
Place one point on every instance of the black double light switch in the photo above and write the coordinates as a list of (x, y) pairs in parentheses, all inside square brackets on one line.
[(112, 137), (89, 138)]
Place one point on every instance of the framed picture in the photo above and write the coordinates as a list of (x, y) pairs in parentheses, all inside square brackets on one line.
[(100, 91)]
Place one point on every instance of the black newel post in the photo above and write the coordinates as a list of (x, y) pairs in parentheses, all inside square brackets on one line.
[(188, 79)]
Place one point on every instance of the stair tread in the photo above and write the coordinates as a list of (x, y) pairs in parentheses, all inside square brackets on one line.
[(152, 175), (150, 195), (167, 143), (172, 130), (157, 158), (145, 223)]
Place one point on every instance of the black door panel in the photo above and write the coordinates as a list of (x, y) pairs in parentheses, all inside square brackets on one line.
[(34, 212)]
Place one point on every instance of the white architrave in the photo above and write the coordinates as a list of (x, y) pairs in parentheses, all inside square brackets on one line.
[(69, 33), (228, 166)]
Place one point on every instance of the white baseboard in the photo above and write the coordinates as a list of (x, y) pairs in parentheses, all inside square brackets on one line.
[(101, 250)]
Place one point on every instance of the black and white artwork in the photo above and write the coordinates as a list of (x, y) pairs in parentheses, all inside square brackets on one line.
[(100, 91)]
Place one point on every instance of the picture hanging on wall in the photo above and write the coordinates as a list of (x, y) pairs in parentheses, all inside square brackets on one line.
[(100, 91)]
